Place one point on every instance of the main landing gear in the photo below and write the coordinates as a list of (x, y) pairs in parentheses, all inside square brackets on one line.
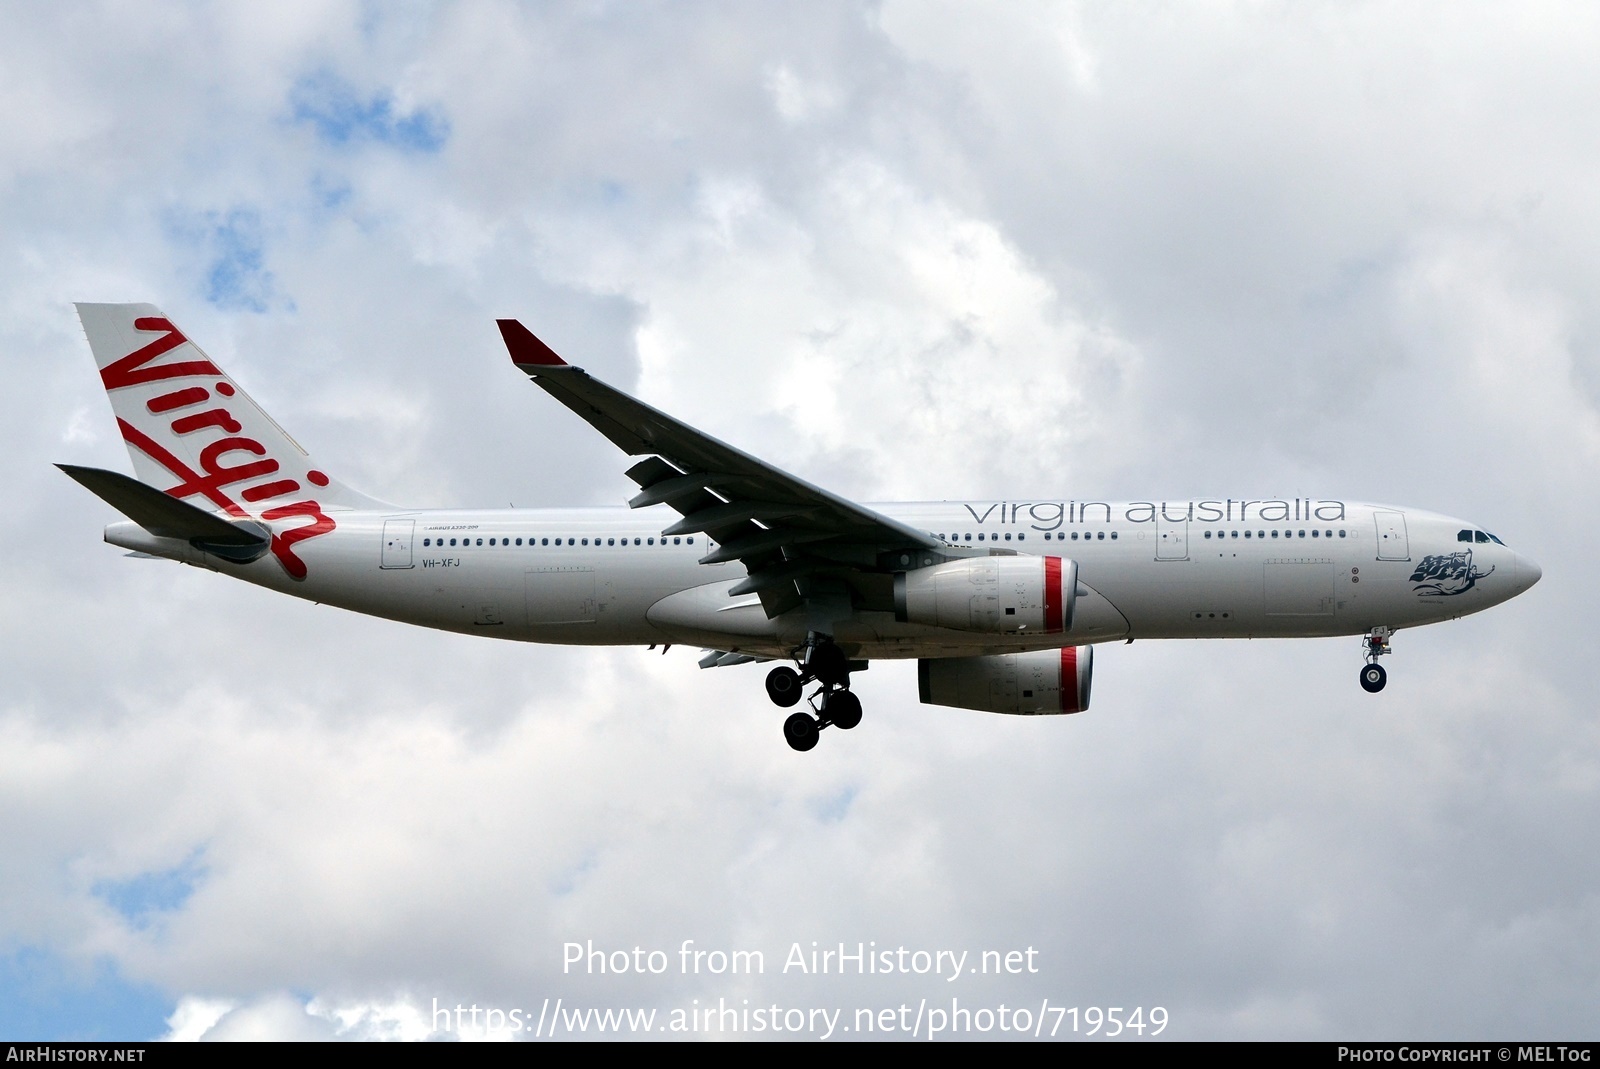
[(820, 662), (1376, 641)]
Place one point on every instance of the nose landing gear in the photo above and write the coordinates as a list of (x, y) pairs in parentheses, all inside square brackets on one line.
[(823, 662), (1376, 642)]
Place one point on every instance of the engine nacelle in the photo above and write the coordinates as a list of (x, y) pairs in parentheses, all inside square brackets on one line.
[(1045, 681), (990, 594)]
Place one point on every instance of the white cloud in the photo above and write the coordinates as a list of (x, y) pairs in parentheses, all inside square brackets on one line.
[(194, 1017)]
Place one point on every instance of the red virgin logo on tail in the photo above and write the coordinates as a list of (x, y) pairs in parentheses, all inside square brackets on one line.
[(219, 469)]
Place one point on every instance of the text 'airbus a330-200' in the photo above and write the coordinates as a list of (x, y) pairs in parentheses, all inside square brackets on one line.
[(1000, 602)]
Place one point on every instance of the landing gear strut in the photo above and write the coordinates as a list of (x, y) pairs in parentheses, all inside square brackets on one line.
[(1376, 642), (823, 662)]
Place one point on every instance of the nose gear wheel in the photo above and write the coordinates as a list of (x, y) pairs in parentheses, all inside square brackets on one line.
[(1376, 644)]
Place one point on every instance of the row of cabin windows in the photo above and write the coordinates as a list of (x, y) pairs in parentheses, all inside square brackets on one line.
[(1462, 536), (959, 537), (1062, 536), (1286, 534), (559, 542)]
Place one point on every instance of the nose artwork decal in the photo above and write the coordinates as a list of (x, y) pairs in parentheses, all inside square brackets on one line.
[(1447, 574)]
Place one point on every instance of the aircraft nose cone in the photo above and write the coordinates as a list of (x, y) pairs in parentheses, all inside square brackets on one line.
[(1528, 573)]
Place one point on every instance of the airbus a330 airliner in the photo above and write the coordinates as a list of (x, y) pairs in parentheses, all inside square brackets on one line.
[(1000, 602)]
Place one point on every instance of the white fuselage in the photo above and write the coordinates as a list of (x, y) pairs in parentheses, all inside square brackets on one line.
[(1201, 569)]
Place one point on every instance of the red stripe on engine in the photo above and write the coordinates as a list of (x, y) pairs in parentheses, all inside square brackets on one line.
[(1052, 595), (1069, 680)]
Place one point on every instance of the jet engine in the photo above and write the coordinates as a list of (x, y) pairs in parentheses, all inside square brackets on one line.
[(1045, 681), (993, 594)]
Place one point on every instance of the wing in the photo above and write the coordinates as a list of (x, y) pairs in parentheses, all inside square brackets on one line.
[(798, 543)]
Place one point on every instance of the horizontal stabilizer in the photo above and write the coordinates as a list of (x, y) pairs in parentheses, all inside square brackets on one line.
[(167, 517)]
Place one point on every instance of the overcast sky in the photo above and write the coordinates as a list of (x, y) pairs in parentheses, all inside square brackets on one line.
[(905, 250)]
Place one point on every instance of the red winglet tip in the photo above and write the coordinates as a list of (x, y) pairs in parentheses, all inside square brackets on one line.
[(525, 348)]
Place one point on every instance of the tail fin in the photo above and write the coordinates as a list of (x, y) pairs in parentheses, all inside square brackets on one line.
[(189, 427), (194, 434)]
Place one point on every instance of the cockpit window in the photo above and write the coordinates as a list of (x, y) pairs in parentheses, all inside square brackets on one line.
[(1493, 539), (1480, 536), (1464, 536)]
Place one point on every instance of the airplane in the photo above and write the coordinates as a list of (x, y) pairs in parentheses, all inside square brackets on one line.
[(1000, 602)]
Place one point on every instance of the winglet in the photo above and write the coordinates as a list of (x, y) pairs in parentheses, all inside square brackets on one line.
[(525, 348)]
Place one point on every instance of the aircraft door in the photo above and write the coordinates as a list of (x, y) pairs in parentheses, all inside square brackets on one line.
[(397, 543), (1392, 541), (1172, 539)]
